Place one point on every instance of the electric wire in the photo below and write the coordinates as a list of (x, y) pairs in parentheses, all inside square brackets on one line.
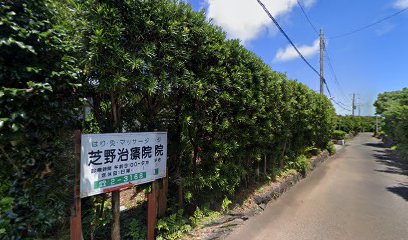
[(307, 17), (369, 25), (344, 105), (338, 104), (325, 50), (341, 105), (293, 45), (335, 75)]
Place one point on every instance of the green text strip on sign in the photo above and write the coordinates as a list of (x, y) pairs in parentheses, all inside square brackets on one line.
[(119, 180)]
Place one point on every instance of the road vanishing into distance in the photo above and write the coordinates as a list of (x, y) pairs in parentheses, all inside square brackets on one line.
[(361, 193)]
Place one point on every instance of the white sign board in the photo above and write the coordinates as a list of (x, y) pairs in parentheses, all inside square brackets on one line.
[(115, 159)]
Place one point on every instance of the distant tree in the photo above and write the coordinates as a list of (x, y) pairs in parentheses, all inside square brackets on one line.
[(393, 106)]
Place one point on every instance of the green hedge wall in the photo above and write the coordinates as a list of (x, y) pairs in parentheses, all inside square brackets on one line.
[(146, 65)]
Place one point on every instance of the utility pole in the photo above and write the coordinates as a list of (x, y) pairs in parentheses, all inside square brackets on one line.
[(353, 104), (321, 62)]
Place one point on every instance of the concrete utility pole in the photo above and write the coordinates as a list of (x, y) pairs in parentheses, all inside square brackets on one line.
[(321, 62), (353, 105)]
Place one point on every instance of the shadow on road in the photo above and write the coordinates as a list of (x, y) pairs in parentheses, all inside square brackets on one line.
[(393, 165), (378, 145), (401, 190), (380, 151), (385, 157)]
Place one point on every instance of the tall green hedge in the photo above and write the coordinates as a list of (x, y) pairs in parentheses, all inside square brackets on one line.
[(38, 103), (355, 124), (167, 68), (163, 66), (393, 107)]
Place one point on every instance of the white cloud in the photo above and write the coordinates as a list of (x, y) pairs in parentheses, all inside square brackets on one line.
[(384, 29), (308, 3), (245, 19), (401, 4), (290, 53)]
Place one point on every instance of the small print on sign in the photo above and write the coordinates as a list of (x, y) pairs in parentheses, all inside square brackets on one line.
[(112, 160)]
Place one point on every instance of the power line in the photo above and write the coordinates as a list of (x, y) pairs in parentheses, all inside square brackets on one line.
[(338, 104), (369, 25), (307, 17), (325, 48), (334, 74), (293, 45), (341, 106), (344, 105)]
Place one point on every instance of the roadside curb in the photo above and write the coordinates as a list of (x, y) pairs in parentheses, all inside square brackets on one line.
[(222, 227)]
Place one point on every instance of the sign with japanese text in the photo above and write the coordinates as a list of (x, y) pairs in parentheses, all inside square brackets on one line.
[(115, 159)]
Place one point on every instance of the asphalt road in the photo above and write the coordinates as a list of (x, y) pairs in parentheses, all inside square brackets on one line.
[(359, 194)]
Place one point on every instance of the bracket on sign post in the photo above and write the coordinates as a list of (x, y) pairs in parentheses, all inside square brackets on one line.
[(118, 188)]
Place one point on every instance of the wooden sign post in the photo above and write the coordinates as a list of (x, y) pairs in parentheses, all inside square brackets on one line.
[(152, 210), (156, 205), (76, 221)]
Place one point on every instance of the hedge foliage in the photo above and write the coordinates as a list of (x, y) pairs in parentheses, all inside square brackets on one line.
[(339, 135), (356, 124), (142, 65), (393, 107), (38, 101)]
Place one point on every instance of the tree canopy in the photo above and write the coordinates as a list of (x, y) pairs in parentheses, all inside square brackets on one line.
[(393, 107)]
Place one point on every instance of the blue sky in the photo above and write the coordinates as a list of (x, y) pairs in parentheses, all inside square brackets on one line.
[(366, 63)]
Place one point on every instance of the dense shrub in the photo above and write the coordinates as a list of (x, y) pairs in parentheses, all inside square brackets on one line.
[(356, 124), (331, 148), (393, 106), (300, 164), (38, 103), (338, 135)]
